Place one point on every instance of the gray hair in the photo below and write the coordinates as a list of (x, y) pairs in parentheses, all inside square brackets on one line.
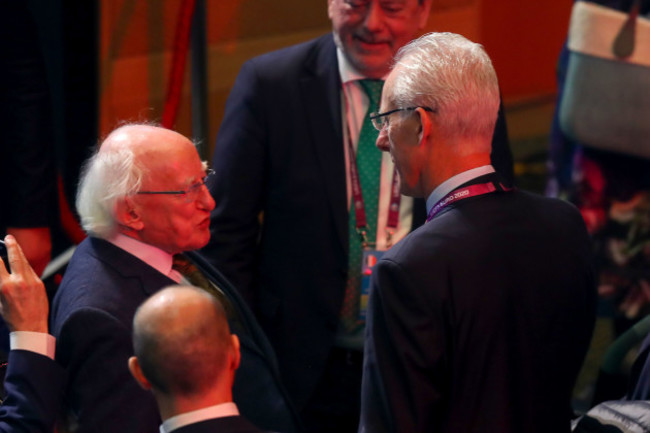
[(109, 175), (453, 76)]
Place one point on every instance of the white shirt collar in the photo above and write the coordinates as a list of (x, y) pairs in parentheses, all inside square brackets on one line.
[(216, 411), (454, 182), (155, 257)]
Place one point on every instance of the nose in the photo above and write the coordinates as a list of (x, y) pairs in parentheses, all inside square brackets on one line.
[(205, 200), (374, 18), (382, 140)]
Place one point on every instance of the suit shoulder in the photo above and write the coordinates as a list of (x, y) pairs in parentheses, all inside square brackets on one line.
[(552, 209), (92, 283)]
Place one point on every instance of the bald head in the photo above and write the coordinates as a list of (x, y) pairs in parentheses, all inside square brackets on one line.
[(183, 344)]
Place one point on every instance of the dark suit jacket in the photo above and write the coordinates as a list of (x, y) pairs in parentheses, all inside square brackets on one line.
[(228, 424), (279, 151), (33, 385), (92, 316), (479, 320)]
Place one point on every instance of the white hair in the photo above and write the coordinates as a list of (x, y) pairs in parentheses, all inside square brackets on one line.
[(110, 174), (454, 77)]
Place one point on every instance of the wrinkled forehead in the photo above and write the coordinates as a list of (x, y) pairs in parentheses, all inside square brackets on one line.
[(166, 157), (178, 167)]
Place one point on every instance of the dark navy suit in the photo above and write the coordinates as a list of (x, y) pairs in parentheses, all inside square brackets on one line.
[(279, 152), (34, 386), (92, 316), (479, 320)]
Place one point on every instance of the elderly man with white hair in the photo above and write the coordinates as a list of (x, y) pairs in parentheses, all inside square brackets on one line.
[(143, 201), (479, 320)]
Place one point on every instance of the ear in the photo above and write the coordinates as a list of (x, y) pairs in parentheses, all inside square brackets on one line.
[(425, 9), (236, 353), (426, 125), (127, 215), (329, 8), (138, 375)]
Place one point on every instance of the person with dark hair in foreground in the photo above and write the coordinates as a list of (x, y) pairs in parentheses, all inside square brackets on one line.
[(186, 355)]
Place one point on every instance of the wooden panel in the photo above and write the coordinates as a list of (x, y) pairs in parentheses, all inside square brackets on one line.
[(137, 40), (524, 40)]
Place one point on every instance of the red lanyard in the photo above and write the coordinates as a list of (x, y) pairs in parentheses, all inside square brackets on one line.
[(463, 193), (359, 207)]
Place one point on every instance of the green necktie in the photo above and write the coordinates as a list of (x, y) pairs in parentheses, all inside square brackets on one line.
[(369, 167)]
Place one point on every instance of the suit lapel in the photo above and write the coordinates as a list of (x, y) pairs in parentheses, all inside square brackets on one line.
[(320, 87)]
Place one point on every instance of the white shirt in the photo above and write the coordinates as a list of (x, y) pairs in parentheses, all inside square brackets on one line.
[(354, 105), (155, 257), (217, 411), (38, 342), (454, 182)]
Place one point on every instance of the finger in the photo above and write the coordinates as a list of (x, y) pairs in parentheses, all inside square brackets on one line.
[(4, 274), (17, 261), (26, 266)]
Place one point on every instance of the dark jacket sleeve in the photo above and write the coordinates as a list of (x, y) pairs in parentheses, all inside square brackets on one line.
[(402, 386), (34, 386), (94, 347)]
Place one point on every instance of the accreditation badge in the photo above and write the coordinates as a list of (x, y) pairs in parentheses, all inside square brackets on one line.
[(369, 260)]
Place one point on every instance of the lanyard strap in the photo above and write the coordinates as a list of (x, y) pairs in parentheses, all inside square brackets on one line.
[(464, 193), (359, 206)]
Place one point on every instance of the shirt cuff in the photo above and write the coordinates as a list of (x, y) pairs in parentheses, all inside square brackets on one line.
[(38, 342)]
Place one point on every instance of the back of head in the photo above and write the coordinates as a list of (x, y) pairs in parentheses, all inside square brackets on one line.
[(455, 77), (182, 342)]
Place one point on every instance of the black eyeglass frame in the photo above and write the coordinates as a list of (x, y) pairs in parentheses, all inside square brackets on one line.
[(209, 172), (379, 123)]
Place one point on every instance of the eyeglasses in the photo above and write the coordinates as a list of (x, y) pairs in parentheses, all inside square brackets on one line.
[(191, 193), (380, 120)]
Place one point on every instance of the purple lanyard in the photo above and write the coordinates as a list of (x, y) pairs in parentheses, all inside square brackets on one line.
[(463, 193)]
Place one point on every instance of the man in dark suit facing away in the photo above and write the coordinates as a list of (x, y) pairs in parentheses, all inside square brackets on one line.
[(479, 320), (186, 355), (144, 202)]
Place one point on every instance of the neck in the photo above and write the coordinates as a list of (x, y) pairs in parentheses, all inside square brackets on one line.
[(171, 406), (443, 167)]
